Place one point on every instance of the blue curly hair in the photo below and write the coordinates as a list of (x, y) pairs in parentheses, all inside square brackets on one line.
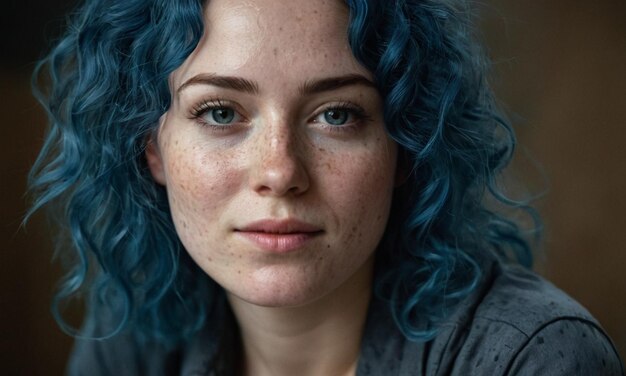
[(105, 85)]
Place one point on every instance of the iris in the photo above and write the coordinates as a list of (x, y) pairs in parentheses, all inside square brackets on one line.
[(336, 117), (222, 115)]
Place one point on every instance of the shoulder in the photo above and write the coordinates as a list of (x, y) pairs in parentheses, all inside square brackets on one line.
[(121, 354), (102, 348), (524, 325), (98, 352), (566, 347), (523, 299)]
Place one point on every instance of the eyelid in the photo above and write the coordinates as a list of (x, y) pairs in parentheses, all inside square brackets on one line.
[(211, 103), (198, 110), (353, 109)]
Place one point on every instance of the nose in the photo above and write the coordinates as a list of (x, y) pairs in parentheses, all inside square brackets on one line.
[(278, 169)]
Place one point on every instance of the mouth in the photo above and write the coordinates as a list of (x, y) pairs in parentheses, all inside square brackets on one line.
[(279, 236), (283, 226)]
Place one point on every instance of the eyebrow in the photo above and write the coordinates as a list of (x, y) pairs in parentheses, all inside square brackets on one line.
[(251, 87), (334, 83), (227, 82)]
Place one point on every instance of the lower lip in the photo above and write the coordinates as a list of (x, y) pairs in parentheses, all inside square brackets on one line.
[(278, 243)]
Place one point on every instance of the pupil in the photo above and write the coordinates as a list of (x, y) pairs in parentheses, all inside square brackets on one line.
[(223, 115), (336, 117)]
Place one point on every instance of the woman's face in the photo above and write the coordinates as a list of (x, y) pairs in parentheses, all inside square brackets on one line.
[(277, 166)]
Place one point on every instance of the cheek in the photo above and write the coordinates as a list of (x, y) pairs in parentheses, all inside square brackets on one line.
[(198, 185), (359, 190)]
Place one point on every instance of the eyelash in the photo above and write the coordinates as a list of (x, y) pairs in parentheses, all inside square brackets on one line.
[(352, 109), (207, 105), (359, 115)]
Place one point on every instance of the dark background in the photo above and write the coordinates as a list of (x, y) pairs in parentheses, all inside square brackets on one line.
[(560, 71)]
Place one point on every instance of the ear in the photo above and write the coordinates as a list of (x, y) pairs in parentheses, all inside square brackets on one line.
[(155, 160)]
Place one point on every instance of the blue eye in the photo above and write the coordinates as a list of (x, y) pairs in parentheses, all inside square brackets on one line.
[(342, 116), (217, 114), (336, 116), (221, 115)]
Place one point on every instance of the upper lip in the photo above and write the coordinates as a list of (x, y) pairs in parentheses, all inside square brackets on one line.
[(280, 226)]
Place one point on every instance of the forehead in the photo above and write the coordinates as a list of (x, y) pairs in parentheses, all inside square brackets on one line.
[(273, 38)]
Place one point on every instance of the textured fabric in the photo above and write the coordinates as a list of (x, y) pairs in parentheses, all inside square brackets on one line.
[(516, 323)]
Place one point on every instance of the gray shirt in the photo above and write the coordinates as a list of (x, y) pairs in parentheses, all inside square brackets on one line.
[(515, 323)]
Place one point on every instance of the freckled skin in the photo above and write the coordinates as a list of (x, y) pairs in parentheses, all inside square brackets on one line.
[(276, 163)]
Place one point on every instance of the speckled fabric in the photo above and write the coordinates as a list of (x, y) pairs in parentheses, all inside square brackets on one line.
[(516, 323)]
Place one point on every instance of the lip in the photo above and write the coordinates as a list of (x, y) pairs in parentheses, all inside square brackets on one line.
[(279, 236)]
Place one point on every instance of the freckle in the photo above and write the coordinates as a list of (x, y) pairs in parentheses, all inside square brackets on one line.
[(238, 271), (210, 259), (327, 245), (280, 28), (275, 51)]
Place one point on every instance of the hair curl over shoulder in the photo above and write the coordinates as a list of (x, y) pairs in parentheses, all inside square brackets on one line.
[(453, 143), (106, 86)]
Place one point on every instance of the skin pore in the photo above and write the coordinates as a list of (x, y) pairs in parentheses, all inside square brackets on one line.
[(280, 175)]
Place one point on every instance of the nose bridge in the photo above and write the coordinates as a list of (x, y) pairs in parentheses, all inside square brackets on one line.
[(279, 168), (279, 138)]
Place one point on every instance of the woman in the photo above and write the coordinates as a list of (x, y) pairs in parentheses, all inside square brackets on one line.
[(292, 188)]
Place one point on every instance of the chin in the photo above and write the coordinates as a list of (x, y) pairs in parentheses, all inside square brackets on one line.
[(280, 292), (274, 300)]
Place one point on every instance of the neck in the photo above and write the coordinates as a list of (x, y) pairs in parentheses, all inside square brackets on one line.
[(319, 338)]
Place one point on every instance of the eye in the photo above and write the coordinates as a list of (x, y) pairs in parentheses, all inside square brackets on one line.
[(216, 114), (222, 115), (340, 116), (335, 116)]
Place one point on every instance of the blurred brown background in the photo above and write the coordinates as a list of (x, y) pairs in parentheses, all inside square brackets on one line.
[(560, 71)]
